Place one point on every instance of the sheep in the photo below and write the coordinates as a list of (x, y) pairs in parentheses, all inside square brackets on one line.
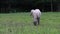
[(36, 16)]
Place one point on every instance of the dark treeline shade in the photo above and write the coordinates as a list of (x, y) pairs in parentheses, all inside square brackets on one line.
[(11, 6)]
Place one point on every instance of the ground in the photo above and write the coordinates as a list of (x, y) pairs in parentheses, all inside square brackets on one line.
[(21, 23)]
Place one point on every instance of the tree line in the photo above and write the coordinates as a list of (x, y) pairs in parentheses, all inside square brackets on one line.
[(7, 6)]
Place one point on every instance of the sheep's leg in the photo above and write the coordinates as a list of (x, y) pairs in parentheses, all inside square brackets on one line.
[(38, 19)]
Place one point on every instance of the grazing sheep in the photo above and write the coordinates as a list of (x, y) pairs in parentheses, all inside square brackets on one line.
[(36, 16)]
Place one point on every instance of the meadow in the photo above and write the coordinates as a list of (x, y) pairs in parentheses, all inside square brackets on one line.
[(22, 23)]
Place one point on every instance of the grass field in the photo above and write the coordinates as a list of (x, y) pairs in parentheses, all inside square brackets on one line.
[(21, 23)]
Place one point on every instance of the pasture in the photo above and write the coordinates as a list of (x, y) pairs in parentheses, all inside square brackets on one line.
[(21, 23)]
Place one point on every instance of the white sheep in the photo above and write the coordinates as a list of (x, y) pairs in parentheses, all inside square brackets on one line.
[(36, 16)]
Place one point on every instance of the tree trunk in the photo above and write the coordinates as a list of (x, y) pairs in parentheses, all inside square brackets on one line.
[(7, 9)]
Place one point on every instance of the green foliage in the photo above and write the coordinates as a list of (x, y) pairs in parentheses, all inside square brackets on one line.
[(7, 5)]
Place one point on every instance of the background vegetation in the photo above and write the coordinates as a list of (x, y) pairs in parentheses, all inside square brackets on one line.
[(8, 6)]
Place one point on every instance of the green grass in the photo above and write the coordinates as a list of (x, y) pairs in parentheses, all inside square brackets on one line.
[(21, 23)]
